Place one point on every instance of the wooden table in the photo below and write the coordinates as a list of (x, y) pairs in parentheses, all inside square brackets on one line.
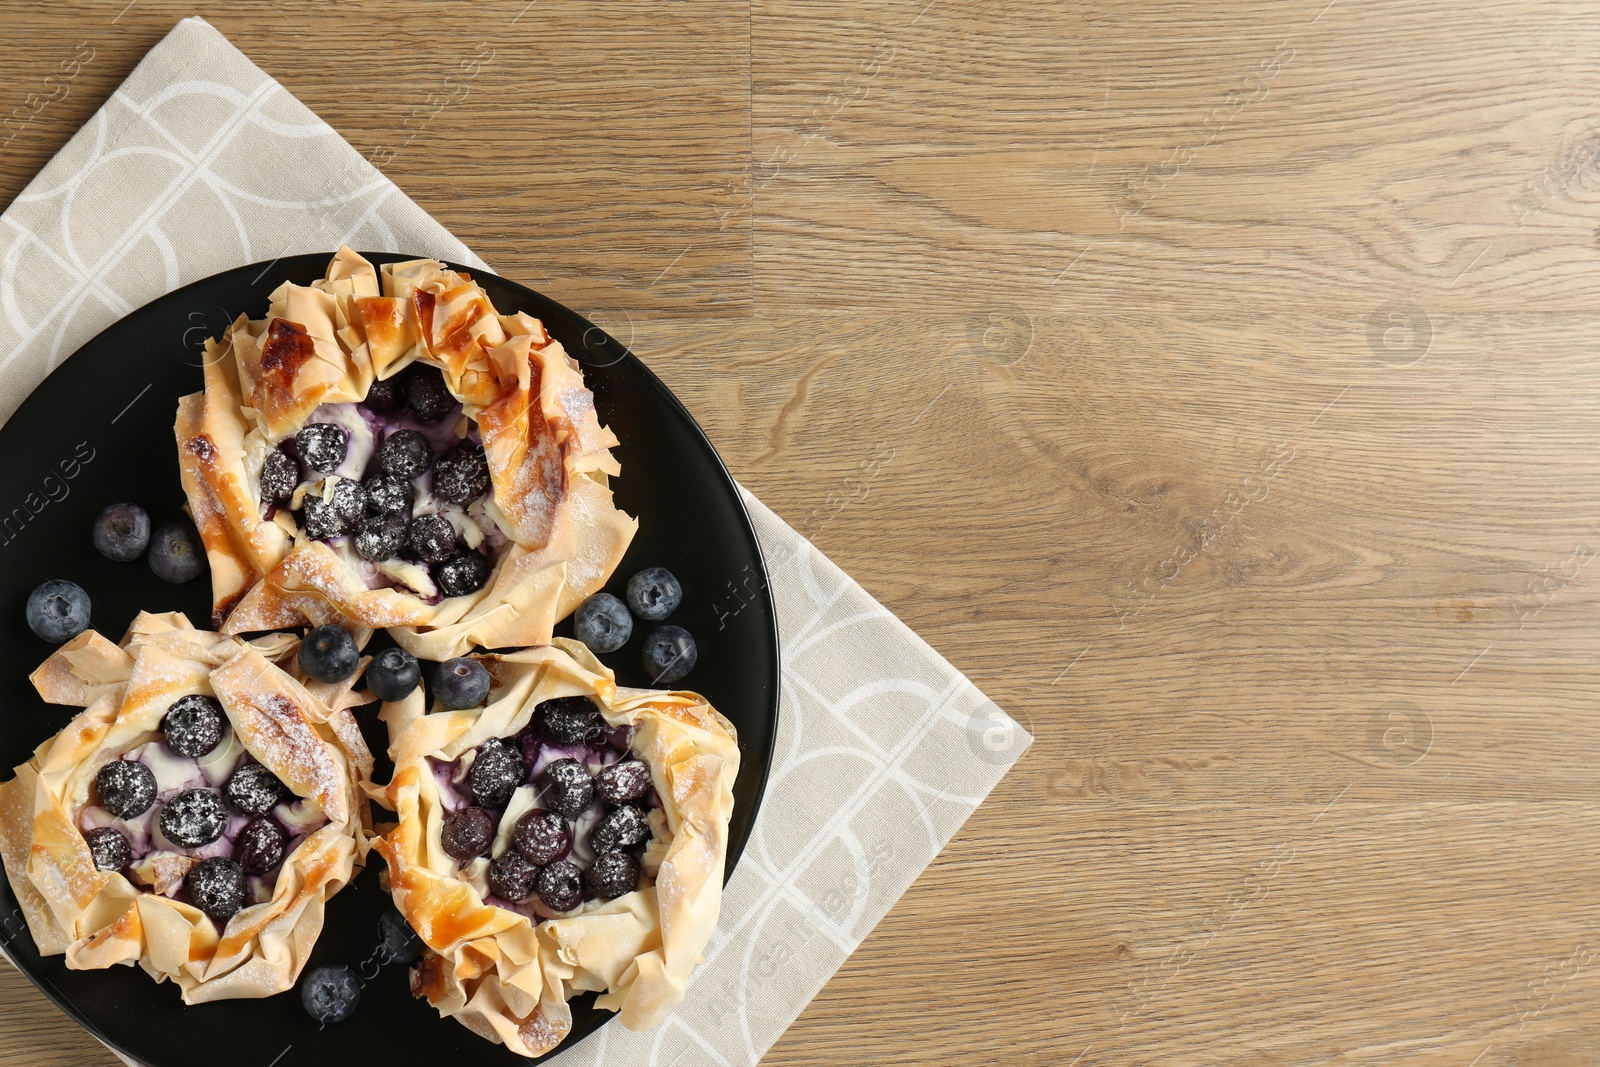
[(1233, 366)]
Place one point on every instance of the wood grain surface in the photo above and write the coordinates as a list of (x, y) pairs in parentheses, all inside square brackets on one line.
[(1236, 368)]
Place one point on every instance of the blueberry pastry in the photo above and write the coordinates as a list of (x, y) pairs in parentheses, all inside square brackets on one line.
[(195, 817), (566, 835), (389, 452)]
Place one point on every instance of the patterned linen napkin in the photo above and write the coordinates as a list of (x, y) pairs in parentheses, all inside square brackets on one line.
[(201, 162)]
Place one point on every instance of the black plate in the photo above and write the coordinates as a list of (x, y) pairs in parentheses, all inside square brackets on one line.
[(99, 430)]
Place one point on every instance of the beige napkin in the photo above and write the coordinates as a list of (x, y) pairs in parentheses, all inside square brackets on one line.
[(201, 162)]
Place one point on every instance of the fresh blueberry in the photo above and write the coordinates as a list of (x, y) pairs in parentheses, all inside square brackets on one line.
[(621, 827), (254, 789), (432, 538), (654, 593), (570, 720), (385, 396), (462, 574), (122, 532), (623, 781), (405, 454), (217, 887), (280, 474), (127, 789), (602, 622), (260, 845), (466, 834), (58, 610), (330, 993), (176, 554), (461, 474), (612, 875), (542, 836), (323, 446), (569, 788), (329, 654), (109, 848), (193, 725), (496, 772), (380, 537), (560, 885), (669, 653), (427, 395), (397, 942), (393, 674), (511, 877), (388, 495), (193, 818), (461, 683)]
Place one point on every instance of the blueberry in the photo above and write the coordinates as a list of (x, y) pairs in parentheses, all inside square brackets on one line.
[(654, 593), (427, 395), (126, 789), (385, 395), (542, 836), (260, 846), (621, 827), (603, 623), (337, 515), (321, 520), (109, 848), (612, 875), (405, 454), (461, 683), (669, 653), (193, 818), (466, 834), (461, 474), (623, 781), (176, 554), (560, 886), (280, 474), (432, 538), (58, 610), (389, 495), (121, 532), (569, 788), (570, 720), (380, 537), (397, 942), (217, 888), (462, 574), (330, 993), (329, 654), (254, 789), (511, 877), (322, 446), (193, 725), (496, 772), (393, 674)]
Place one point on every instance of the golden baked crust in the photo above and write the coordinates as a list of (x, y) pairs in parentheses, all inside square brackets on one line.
[(98, 919), (549, 458), (495, 970)]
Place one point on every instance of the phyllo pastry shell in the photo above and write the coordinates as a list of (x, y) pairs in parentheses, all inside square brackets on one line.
[(641, 876), (211, 870), (391, 453)]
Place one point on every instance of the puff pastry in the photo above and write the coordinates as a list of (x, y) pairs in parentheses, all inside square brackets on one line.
[(506, 970), (545, 535), (302, 732)]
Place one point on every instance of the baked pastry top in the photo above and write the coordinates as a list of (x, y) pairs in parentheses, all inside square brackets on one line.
[(195, 817), (385, 450), (570, 835)]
